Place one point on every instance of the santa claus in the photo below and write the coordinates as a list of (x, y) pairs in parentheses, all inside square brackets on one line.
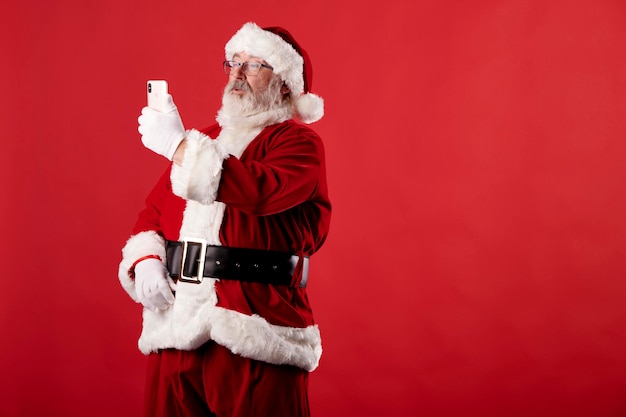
[(219, 257)]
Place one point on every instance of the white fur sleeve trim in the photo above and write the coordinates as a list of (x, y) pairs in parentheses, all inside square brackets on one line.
[(198, 178), (139, 245)]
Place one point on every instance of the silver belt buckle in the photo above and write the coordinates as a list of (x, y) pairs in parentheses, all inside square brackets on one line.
[(201, 259)]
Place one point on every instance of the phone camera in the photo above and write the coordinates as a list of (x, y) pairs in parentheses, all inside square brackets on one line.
[(149, 87)]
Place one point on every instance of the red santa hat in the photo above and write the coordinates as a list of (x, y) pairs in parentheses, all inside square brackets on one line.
[(279, 49)]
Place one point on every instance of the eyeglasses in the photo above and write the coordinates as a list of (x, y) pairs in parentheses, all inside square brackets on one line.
[(248, 68)]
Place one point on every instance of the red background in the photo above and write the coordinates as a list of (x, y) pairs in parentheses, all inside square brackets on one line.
[(475, 151)]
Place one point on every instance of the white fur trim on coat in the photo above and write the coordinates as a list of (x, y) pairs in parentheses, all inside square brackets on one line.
[(198, 177), (195, 319), (254, 337), (139, 245)]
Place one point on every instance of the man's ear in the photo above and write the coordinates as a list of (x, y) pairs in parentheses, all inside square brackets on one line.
[(284, 89)]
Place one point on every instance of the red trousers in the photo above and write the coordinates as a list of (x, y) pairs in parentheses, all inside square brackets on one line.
[(212, 381)]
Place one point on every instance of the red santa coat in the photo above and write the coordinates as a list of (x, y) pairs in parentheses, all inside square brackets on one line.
[(256, 186)]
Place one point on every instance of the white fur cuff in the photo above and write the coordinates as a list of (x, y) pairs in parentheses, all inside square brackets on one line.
[(139, 245), (199, 176)]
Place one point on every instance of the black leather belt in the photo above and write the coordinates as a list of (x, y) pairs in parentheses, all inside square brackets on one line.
[(241, 264)]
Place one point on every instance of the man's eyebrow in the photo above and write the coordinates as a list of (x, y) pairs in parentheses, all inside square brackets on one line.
[(252, 58)]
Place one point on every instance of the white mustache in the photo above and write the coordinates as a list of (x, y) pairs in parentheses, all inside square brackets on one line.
[(239, 84)]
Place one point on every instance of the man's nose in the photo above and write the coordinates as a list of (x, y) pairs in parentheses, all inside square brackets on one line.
[(238, 73)]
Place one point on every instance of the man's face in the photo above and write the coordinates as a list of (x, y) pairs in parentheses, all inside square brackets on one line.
[(246, 95), (257, 82)]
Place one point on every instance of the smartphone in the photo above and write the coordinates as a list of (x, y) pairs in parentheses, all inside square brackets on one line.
[(157, 94)]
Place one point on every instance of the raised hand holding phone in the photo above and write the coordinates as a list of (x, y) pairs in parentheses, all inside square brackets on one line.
[(160, 125)]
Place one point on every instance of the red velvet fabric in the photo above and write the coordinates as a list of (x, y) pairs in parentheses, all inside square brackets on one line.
[(211, 381)]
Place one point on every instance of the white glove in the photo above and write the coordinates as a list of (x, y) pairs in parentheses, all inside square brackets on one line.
[(153, 285), (161, 132)]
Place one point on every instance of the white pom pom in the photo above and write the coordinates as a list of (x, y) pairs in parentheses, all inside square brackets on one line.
[(309, 108)]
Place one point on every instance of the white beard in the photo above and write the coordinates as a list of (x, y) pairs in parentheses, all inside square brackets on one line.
[(250, 104), (243, 117)]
